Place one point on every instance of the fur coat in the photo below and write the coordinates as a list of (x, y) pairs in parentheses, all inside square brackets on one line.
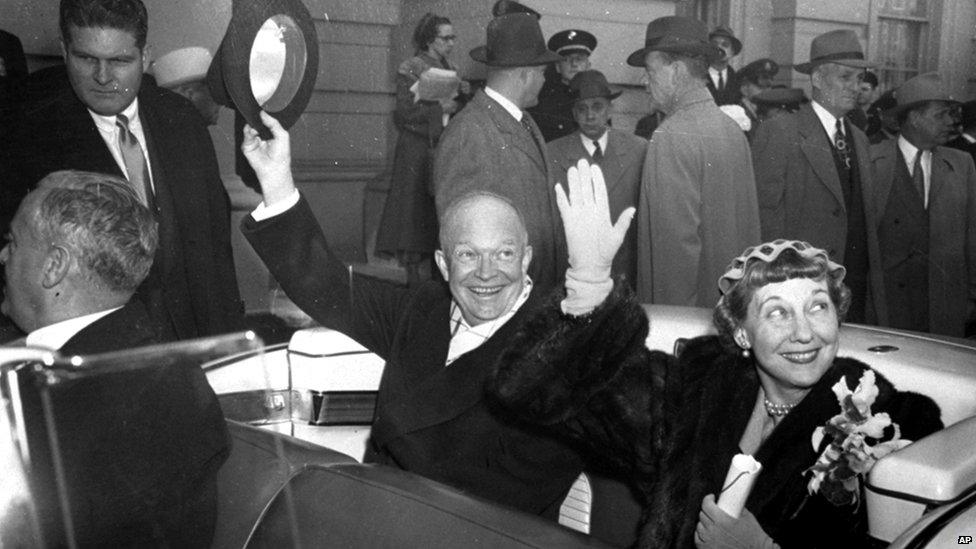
[(674, 423)]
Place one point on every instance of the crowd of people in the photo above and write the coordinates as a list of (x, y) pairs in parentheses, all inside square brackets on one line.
[(517, 359)]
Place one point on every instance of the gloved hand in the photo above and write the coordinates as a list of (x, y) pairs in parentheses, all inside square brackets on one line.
[(591, 237), (717, 530), (270, 159)]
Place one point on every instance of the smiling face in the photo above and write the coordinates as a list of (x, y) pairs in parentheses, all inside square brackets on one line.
[(792, 328), (593, 116), (485, 257), (104, 67)]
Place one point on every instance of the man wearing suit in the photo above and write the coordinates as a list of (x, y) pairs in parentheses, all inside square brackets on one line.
[(813, 173), (698, 198), (494, 145), (721, 81), (439, 340), (926, 198), (140, 449), (620, 156), (109, 120)]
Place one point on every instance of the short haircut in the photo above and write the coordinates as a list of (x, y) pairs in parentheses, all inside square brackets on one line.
[(697, 65), (449, 216), (126, 15), (426, 30), (102, 222), (733, 308)]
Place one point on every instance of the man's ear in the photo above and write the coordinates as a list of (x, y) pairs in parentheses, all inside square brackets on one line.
[(146, 58), (526, 259), (56, 267), (441, 261)]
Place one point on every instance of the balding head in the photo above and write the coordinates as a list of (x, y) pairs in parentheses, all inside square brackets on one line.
[(484, 255)]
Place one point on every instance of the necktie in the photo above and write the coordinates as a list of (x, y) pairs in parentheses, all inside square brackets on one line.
[(597, 151), (918, 177), (840, 142), (135, 162), (721, 82)]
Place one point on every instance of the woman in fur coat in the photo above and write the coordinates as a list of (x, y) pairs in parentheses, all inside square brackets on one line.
[(761, 387)]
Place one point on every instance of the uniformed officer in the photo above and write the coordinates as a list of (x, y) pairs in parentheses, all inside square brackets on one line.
[(554, 113), (752, 79)]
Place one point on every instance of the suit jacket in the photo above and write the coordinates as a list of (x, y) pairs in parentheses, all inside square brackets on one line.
[(960, 143), (622, 164), (697, 207), (141, 449), (192, 290), (952, 233), (730, 95), (485, 149), (800, 196), (430, 419)]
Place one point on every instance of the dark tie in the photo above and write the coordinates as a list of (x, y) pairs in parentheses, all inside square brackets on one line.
[(918, 176), (597, 151), (840, 142), (135, 162), (721, 81)]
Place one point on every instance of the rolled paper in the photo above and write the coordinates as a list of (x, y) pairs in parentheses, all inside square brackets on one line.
[(738, 483)]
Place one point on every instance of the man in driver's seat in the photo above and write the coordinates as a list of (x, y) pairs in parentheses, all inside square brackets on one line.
[(141, 449), (439, 340)]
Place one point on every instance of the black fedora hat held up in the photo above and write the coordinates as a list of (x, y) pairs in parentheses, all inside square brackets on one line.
[(514, 40)]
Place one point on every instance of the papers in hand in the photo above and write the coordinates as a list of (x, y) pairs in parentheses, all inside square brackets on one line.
[(436, 85), (738, 483)]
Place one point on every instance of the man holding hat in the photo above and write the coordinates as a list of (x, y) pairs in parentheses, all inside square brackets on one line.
[(813, 173), (721, 75), (494, 145), (698, 197), (926, 198), (619, 154), (554, 113), (184, 71)]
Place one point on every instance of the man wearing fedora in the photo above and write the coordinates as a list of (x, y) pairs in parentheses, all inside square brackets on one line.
[(697, 203), (494, 145), (926, 198), (619, 154), (813, 173), (721, 76), (112, 120), (554, 113)]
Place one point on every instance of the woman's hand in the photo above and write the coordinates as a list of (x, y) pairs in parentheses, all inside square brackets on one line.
[(717, 530), (270, 159)]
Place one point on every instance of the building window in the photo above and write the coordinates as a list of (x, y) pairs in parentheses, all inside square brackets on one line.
[(903, 40), (712, 12)]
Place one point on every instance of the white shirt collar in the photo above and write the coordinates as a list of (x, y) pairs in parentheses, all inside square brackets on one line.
[(54, 336), (466, 338), (512, 108), (828, 120), (588, 143), (713, 74), (107, 123)]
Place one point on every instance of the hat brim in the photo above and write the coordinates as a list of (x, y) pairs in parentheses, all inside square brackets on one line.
[(898, 109), (807, 68), (480, 54), (706, 50), (611, 96), (294, 89)]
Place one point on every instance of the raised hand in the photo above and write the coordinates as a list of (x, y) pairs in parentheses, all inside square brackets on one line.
[(591, 236), (270, 159)]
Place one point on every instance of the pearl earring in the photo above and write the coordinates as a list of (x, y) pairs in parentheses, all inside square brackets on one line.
[(745, 353)]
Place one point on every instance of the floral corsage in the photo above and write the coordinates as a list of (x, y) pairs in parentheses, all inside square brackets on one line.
[(839, 470)]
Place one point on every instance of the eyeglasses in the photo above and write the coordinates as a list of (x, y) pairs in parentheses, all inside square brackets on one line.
[(448, 38)]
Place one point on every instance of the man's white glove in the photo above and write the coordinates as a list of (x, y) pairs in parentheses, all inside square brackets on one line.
[(592, 238), (271, 160)]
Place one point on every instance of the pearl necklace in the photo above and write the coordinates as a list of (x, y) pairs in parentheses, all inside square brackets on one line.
[(777, 410)]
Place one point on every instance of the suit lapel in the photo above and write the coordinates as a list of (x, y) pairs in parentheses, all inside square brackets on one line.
[(941, 171), (819, 152), (884, 158)]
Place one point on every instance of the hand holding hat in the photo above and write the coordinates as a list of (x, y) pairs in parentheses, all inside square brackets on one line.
[(271, 159)]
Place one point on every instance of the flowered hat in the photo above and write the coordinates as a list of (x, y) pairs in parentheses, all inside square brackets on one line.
[(767, 253)]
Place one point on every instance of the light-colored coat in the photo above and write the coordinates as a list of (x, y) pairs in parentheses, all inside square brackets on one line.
[(800, 196), (622, 164), (698, 206), (952, 232), (485, 149)]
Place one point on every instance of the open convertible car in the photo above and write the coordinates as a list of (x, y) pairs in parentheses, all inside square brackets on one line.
[(299, 416)]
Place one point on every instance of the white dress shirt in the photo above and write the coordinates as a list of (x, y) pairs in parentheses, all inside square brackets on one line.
[(714, 74), (110, 134), (54, 336), (828, 120), (909, 151), (466, 338), (590, 148), (512, 108)]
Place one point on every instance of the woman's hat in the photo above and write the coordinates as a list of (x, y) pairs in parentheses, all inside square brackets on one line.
[(722, 30), (675, 34), (514, 40), (590, 84), (572, 41), (920, 89), (839, 46), (767, 253)]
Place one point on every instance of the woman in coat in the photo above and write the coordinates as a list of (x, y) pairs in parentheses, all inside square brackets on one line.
[(408, 227), (762, 387)]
